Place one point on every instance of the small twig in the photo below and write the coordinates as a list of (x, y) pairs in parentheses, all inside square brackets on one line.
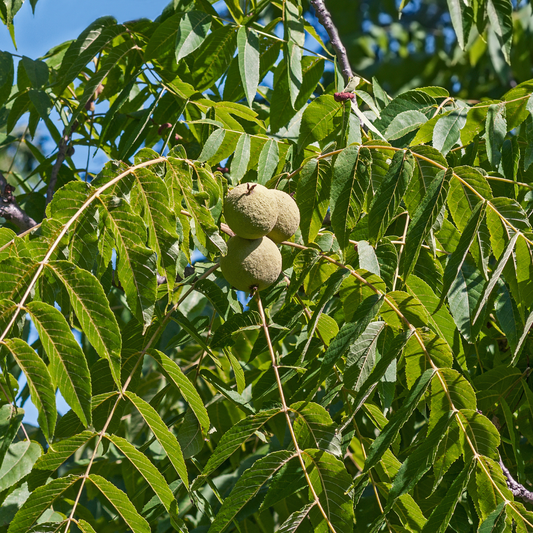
[(402, 246), (325, 19), (9, 208), (518, 490), (204, 351), (61, 155)]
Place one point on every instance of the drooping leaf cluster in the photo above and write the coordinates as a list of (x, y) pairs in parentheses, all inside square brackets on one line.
[(375, 386)]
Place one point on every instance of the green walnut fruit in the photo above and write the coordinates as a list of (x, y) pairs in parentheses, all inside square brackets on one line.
[(251, 264), (288, 217), (250, 210)]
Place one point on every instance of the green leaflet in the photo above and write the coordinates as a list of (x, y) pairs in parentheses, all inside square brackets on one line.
[(495, 131), (15, 276), (192, 32), (148, 471), (214, 57), (89, 43), (420, 461), (247, 487), (223, 335), (212, 145), (281, 109), (38, 502), (42, 389), (440, 517), (268, 161), (239, 164), (447, 129), (361, 356), (495, 522), (495, 277), (164, 436), (160, 219), (189, 392), (484, 437), (394, 350), (318, 120), (418, 358), (10, 420), (332, 286), (68, 365), (331, 482), (351, 178), (489, 486), (312, 197), (314, 428), (236, 436), (136, 263), (500, 14), (121, 503), (401, 416), (295, 37), (350, 332), (90, 304), (404, 123), (423, 220), (456, 259), (463, 297), (388, 196), (461, 16), (61, 451), (18, 462), (248, 56), (295, 519), (288, 481), (8, 74), (115, 56)]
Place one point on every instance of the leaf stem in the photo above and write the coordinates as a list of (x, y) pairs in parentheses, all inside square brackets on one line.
[(286, 411)]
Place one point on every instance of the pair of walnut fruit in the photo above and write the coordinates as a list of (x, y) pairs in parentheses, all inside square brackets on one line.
[(259, 217)]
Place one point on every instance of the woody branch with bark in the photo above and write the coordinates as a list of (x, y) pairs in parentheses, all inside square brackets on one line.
[(9, 208)]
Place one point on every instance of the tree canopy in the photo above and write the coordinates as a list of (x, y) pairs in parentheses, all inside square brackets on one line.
[(382, 383)]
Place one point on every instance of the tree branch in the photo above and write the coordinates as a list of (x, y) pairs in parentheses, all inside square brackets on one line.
[(325, 19), (9, 208), (518, 490), (61, 155)]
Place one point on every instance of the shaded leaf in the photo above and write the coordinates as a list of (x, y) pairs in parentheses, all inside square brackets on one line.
[(331, 482), (398, 419), (350, 332), (121, 503), (248, 486), (236, 436), (440, 517), (38, 502)]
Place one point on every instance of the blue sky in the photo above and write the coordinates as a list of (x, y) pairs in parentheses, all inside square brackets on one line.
[(57, 21)]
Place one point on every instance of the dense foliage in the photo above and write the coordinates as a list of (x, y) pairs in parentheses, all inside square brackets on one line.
[(376, 386)]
